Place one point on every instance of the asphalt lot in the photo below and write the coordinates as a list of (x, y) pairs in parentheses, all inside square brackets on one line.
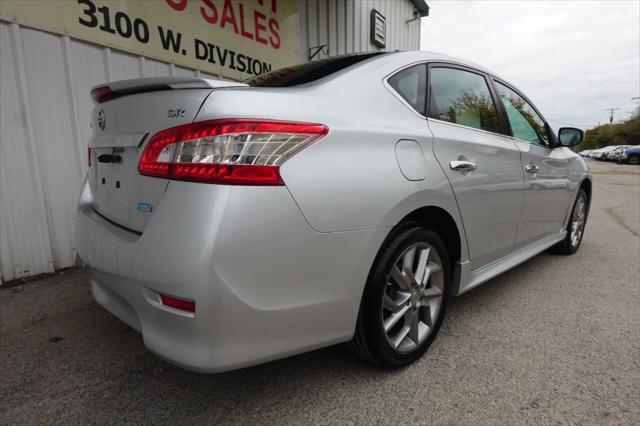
[(555, 340)]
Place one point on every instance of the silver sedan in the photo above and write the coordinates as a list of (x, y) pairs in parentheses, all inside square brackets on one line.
[(337, 201)]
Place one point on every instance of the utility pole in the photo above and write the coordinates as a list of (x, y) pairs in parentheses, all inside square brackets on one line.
[(611, 114)]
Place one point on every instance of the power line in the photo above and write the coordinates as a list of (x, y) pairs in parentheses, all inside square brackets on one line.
[(433, 36)]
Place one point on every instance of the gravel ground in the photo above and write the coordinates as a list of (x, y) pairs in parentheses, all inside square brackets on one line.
[(555, 340)]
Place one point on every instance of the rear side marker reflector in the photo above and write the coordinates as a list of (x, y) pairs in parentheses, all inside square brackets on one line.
[(180, 304), (232, 152)]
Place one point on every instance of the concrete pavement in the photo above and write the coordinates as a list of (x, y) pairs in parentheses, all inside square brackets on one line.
[(556, 339)]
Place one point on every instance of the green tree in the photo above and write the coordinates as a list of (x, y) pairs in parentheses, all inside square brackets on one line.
[(624, 133)]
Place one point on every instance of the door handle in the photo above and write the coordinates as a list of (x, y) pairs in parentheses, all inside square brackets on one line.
[(462, 165), (530, 168)]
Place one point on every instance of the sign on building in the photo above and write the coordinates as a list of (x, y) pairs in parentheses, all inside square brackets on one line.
[(233, 38)]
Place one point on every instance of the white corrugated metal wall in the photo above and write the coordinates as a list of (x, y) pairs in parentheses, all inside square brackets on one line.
[(343, 26), (45, 81)]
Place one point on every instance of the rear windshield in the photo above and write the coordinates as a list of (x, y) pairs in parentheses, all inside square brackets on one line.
[(306, 73)]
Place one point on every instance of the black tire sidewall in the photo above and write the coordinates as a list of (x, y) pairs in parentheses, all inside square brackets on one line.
[(385, 355)]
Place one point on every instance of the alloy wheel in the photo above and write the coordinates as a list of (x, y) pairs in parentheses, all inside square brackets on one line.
[(413, 297), (577, 221)]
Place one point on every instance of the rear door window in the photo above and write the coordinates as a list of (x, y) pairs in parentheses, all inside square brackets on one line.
[(411, 85), (462, 97), (525, 122)]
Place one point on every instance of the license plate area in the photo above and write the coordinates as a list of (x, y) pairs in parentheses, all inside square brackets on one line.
[(116, 180), (119, 190)]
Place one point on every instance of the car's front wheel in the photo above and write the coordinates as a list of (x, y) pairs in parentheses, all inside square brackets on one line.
[(404, 299), (575, 227), (634, 159)]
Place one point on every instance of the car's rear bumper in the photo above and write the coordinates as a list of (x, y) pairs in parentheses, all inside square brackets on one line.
[(265, 284)]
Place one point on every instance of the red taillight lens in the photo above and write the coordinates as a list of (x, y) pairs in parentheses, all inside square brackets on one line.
[(180, 304), (102, 94), (234, 152)]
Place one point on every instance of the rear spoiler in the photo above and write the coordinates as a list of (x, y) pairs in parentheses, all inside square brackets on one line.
[(116, 89)]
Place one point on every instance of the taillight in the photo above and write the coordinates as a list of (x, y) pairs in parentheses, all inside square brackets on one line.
[(102, 94), (230, 151)]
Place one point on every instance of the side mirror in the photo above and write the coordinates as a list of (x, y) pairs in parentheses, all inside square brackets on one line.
[(570, 136)]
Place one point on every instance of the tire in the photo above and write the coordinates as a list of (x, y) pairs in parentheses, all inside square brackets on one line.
[(571, 242), (387, 288), (634, 160)]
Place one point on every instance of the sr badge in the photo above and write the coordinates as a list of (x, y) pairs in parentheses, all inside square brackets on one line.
[(175, 113)]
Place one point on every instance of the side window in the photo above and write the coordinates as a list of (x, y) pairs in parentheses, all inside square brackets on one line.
[(525, 122), (462, 97), (411, 85)]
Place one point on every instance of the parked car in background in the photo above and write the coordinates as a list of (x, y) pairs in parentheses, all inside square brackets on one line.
[(600, 154), (615, 155), (630, 155), (585, 153), (335, 201), (591, 153)]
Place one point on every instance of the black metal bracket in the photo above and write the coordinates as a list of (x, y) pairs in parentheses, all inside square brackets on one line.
[(314, 51)]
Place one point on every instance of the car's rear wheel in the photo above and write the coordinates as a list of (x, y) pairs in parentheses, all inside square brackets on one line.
[(404, 299), (634, 159), (575, 227)]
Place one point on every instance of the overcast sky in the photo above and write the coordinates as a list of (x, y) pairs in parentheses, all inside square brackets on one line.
[(573, 59)]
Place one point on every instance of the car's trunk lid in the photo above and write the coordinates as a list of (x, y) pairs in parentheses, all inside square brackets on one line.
[(137, 109)]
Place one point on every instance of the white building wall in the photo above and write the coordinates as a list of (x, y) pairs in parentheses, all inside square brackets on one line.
[(45, 80), (343, 26)]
